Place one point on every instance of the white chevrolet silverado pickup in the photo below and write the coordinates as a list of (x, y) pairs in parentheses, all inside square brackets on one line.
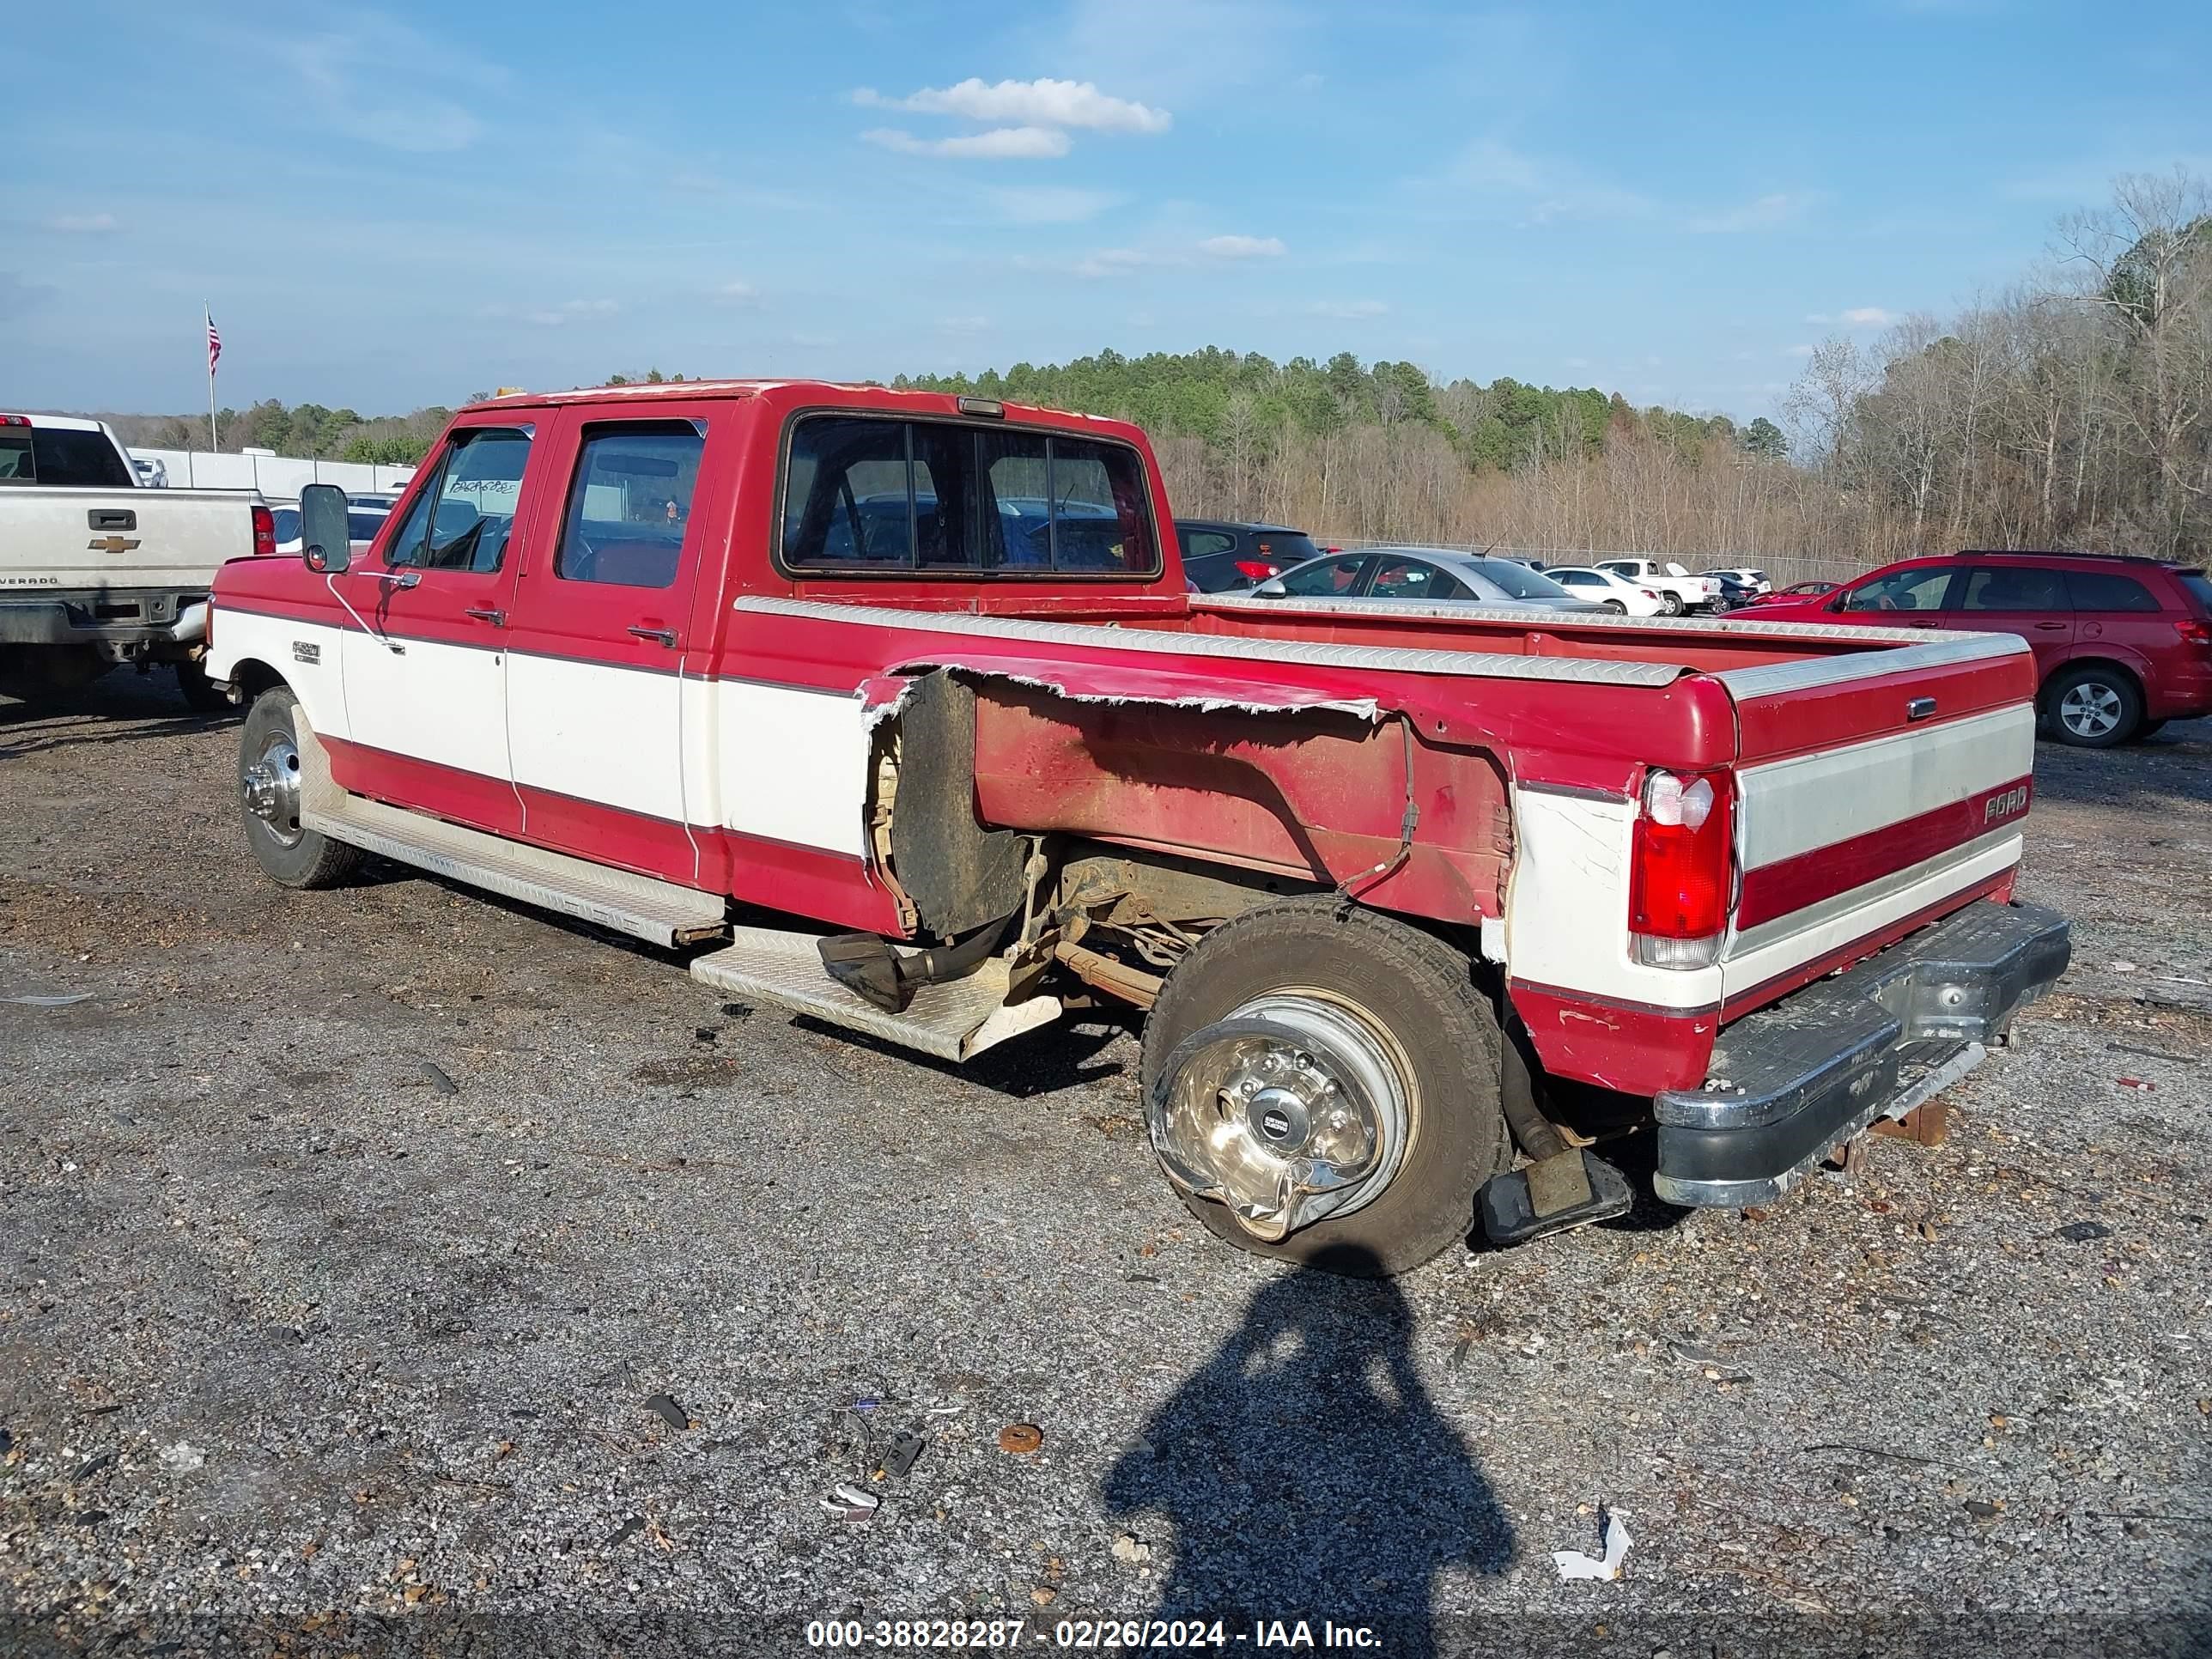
[(96, 571)]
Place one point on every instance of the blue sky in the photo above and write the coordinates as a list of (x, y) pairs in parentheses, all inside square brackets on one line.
[(389, 207)]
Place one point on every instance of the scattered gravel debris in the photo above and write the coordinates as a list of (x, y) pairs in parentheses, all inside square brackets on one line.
[(408, 1387)]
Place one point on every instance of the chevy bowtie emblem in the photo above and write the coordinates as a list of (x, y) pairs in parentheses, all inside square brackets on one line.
[(113, 544)]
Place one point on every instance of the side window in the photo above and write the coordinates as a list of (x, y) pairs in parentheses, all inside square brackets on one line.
[(405, 546), (1411, 579), (15, 459), (2014, 587), (628, 503), (845, 496), (1330, 579), (1920, 589), (461, 521), (2100, 590), (1207, 543)]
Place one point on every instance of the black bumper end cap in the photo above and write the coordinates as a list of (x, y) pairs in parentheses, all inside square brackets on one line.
[(1509, 1210)]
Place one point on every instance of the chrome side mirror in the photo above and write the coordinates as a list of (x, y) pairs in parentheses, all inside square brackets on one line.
[(1271, 588)]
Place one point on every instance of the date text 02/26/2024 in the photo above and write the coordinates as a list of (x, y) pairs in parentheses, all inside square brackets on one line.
[(1087, 1635)]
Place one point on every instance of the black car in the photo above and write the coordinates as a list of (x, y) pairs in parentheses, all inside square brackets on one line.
[(1221, 557), (1735, 594)]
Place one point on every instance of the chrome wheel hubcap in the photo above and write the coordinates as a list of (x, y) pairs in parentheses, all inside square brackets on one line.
[(2090, 710), (271, 788), (1289, 1110)]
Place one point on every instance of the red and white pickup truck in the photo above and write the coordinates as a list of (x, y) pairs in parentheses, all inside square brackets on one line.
[(921, 674)]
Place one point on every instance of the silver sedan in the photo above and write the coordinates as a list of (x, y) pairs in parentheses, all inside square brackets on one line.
[(1433, 574)]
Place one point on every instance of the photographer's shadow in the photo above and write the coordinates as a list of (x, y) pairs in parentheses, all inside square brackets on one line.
[(1306, 1472)]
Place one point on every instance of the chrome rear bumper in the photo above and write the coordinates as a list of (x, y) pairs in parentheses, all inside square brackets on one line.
[(1789, 1082)]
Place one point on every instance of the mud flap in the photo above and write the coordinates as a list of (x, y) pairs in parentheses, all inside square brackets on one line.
[(1571, 1188)]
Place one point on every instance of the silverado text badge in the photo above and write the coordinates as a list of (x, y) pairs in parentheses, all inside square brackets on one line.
[(2004, 805)]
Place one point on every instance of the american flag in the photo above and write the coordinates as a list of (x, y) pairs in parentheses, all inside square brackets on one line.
[(215, 344)]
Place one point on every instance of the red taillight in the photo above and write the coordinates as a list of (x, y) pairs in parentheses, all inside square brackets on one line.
[(264, 532), (1682, 868), (2195, 632), (15, 420), (1649, 595), (1258, 569)]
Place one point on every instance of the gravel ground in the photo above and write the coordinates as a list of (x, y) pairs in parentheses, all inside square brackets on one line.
[(306, 1346)]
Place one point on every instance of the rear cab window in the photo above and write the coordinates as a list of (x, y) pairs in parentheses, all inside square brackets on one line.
[(63, 457), (874, 494)]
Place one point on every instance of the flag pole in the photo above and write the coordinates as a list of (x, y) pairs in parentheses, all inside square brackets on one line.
[(215, 444)]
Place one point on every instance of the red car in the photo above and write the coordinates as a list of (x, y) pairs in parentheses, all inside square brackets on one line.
[(2122, 645)]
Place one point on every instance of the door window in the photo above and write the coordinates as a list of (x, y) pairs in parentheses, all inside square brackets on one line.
[(1918, 589), (463, 519), (2014, 587), (628, 504), (1411, 578), (1330, 579)]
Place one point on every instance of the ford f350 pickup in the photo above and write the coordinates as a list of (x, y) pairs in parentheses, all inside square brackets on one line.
[(1405, 891)]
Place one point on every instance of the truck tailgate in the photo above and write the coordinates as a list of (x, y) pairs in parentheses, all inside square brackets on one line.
[(115, 540), (1874, 791)]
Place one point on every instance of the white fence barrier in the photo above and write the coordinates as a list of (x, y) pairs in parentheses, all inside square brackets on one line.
[(281, 476)]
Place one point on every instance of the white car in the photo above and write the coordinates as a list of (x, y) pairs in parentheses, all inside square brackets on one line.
[(1678, 590), (1616, 592), (362, 522)]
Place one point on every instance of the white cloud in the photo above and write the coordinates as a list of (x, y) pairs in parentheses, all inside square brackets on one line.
[(1040, 103), (83, 224), (999, 145), (1243, 247), (739, 294), (1117, 262), (1797, 351), (1048, 204), (1869, 317), (1348, 310), (1767, 211), (384, 83)]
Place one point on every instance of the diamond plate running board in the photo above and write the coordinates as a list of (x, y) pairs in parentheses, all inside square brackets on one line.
[(953, 1021)]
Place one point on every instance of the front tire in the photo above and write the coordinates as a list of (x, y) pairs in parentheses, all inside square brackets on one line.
[(2093, 707), (271, 778), (1361, 992)]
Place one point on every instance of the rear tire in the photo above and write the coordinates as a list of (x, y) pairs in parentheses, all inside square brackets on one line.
[(1616, 607), (1671, 604), (2093, 707), (199, 692), (269, 768), (1418, 996)]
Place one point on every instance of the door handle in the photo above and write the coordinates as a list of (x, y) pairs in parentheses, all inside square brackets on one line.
[(111, 518), (664, 635), (2051, 627), (491, 614)]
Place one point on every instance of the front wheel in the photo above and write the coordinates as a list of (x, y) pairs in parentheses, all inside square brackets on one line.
[(1322, 1087), (271, 778), (2093, 707)]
